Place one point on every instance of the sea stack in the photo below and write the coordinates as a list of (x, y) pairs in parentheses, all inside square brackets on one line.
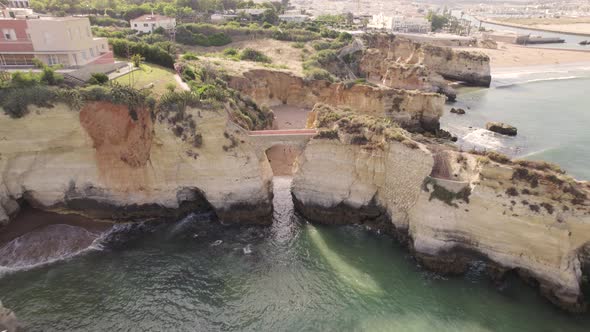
[(501, 128)]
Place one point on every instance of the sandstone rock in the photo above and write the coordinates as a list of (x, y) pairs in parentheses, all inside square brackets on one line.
[(413, 110), (102, 163), (459, 111), (501, 128), (466, 66), (450, 223), (8, 321)]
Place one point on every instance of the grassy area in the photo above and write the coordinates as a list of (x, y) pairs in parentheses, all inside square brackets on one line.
[(149, 74)]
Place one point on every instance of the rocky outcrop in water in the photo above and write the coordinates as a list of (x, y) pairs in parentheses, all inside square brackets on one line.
[(452, 208), (502, 128), (112, 163)]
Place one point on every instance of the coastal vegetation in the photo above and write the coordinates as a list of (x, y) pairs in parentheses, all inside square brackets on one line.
[(149, 76)]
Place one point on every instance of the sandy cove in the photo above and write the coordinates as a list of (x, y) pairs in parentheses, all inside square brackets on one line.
[(512, 56)]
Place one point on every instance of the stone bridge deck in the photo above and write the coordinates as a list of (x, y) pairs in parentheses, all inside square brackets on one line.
[(265, 139)]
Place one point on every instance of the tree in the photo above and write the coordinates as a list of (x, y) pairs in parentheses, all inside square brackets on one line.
[(270, 16), (437, 22), (137, 59)]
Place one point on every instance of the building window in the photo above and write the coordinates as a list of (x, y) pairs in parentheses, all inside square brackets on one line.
[(102, 46), (145, 25), (135, 25), (88, 31), (91, 52), (9, 34), (70, 33), (84, 55), (47, 38), (53, 60)]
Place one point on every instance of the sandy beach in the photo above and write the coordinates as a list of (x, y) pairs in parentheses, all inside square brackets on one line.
[(509, 55)]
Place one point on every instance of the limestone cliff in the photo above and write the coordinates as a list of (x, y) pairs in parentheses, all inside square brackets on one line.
[(110, 162), (451, 207), (401, 63), (413, 110)]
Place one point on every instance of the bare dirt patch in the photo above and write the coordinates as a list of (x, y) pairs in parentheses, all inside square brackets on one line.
[(282, 53), (289, 117)]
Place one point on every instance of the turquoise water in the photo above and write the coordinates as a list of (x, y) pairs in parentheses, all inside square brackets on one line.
[(552, 117), (196, 276)]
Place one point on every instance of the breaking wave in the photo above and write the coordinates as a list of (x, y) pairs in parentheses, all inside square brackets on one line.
[(46, 245)]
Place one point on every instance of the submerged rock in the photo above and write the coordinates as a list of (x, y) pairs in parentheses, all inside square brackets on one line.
[(8, 321), (501, 128), (459, 111)]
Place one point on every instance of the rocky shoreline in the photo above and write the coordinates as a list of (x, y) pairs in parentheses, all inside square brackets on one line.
[(378, 159)]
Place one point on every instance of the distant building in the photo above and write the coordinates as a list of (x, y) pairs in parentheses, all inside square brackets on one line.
[(18, 3), (255, 13), (296, 18), (399, 23), (15, 9), (381, 22), (53, 40), (149, 23)]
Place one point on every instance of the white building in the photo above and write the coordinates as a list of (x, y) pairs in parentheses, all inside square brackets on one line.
[(296, 18), (399, 23), (149, 23), (381, 22)]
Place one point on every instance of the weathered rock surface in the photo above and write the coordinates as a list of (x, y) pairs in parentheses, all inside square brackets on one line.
[(454, 208), (104, 163), (413, 110), (400, 62), (459, 111), (502, 128)]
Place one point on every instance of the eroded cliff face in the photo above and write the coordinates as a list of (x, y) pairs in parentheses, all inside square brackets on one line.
[(109, 162), (453, 208), (401, 63), (413, 110)]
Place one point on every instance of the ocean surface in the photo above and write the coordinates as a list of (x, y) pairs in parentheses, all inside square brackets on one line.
[(194, 275), (550, 106)]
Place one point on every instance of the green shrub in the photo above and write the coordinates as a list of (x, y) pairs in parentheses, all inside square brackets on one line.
[(15, 101), (98, 78), (22, 79), (320, 45), (160, 54), (250, 54), (190, 56), (230, 51), (211, 92), (318, 74), (344, 37), (298, 45)]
